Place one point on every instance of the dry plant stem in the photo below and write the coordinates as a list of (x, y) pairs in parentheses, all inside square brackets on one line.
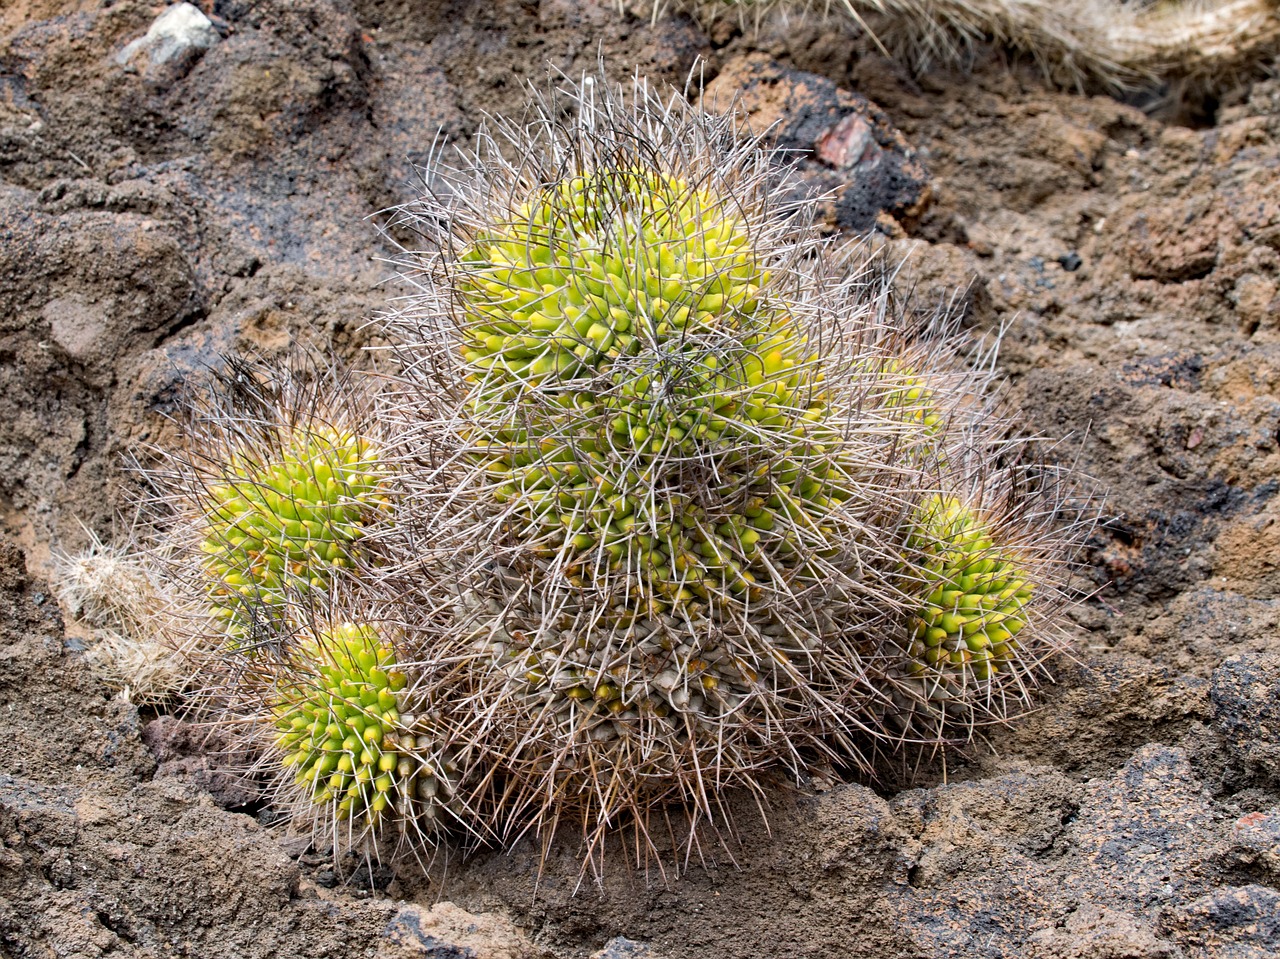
[(132, 618), (1201, 42), (1090, 41)]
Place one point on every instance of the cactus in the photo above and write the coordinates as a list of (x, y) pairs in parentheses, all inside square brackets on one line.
[(677, 506), (341, 713), (970, 619), (599, 267), (286, 519), (672, 483), (271, 495)]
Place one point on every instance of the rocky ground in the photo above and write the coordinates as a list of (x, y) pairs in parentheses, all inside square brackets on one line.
[(161, 206)]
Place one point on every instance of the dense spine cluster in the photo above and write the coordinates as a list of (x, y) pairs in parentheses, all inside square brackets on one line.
[(665, 499)]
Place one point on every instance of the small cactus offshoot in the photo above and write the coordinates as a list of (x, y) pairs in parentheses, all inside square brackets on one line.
[(970, 619), (271, 497), (343, 725), (286, 519)]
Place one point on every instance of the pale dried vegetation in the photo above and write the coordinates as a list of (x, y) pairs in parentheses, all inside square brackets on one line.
[(1109, 43)]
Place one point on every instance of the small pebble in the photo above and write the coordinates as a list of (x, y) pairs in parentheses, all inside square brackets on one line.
[(1070, 261)]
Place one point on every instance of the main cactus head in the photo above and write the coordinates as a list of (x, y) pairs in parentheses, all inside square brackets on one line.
[(614, 328), (646, 411)]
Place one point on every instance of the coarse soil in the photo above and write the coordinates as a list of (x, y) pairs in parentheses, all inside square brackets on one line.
[(156, 216)]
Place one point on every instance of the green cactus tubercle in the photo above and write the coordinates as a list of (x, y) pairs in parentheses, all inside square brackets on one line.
[(338, 719), (977, 594), (620, 315), (911, 396), (285, 522)]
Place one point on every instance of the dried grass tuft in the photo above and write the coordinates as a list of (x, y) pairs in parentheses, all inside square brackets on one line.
[(1109, 43)]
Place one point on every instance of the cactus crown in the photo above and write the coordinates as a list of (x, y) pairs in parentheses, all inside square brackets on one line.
[(600, 266)]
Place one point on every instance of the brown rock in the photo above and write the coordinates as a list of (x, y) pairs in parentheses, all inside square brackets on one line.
[(845, 143), (1094, 932), (444, 931), (1255, 839), (1170, 246)]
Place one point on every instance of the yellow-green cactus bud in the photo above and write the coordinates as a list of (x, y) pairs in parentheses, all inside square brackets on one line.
[(286, 521), (974, 608), (343, 727)]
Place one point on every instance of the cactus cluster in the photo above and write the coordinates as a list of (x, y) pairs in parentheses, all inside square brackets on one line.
[(664, 500)]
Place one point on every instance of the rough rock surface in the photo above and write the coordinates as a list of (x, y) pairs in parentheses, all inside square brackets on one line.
[(151, 219)]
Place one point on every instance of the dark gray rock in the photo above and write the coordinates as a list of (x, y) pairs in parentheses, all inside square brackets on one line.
[(620, 947), (1246, 700), (846, 145), (1240, 922)]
